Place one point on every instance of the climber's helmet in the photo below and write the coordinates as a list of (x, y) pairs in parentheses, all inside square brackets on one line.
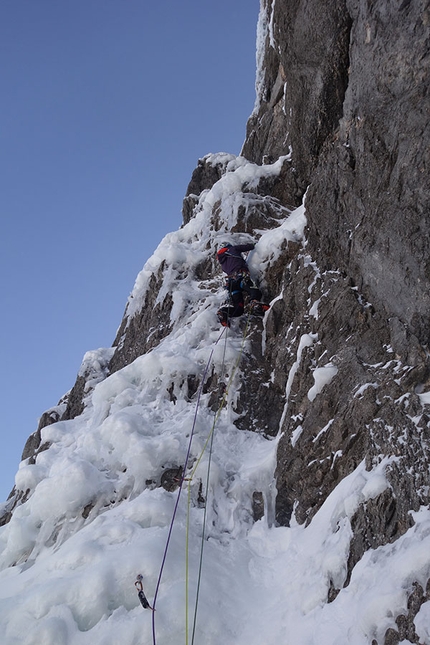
[(223, 245)]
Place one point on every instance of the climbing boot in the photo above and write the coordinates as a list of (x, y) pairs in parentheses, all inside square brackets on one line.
[(258, 308), (223, 318)]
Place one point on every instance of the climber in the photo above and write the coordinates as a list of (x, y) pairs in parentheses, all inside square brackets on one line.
[(238, 283), (139, 586)]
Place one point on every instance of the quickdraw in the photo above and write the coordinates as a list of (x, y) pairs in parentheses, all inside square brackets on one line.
[(143, 599)]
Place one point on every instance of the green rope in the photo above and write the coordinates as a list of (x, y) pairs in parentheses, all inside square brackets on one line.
[(187, 533), (210, 438)]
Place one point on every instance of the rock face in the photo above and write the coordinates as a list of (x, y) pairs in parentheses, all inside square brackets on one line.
[(345, 84), (344, 87), (303, 77), (371, 213), (343, 99)]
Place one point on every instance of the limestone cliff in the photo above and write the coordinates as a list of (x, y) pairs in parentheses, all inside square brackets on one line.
[(344, 86)]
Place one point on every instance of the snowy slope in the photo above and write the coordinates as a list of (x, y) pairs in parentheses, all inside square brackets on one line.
[(96, 515)]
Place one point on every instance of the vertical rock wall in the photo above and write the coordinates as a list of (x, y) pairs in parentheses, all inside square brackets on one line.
[(344, 87)]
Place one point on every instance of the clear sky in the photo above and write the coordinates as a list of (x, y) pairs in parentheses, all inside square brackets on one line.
[(106, 107)]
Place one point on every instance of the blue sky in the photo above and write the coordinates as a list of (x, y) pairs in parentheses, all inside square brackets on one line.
[(106, 107)]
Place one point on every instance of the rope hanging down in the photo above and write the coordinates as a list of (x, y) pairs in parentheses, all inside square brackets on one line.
[(169, 535), (210, 439)]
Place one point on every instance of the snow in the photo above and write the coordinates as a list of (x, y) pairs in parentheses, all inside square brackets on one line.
[(307, 340), (323, 430), (272, 242), (422, 623), (313, 311), (296, 435), (425, 398), (322, 377), (96, 515), (362, 388)]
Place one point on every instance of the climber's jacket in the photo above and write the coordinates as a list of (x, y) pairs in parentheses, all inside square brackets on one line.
[(231, 260)]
